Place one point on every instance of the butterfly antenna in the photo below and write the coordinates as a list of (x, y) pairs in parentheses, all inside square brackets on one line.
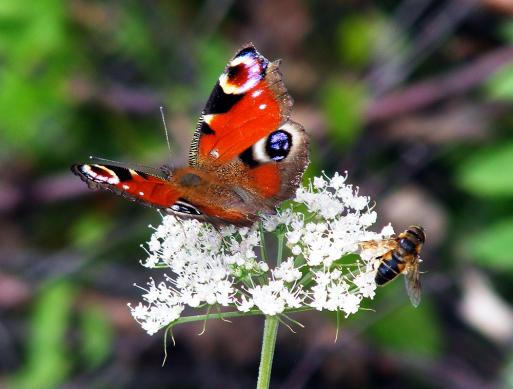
[(165, 128), (103, 160)]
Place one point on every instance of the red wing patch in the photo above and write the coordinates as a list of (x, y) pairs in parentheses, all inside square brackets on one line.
[(253, 117), (266, 179), (130, 183), (248, 102)]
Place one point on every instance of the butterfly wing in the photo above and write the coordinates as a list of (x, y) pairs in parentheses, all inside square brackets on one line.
[(245, 133), (148, 188), (246, 155), (186, 192)]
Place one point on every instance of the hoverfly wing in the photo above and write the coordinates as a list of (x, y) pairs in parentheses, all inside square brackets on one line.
[(412, 283)]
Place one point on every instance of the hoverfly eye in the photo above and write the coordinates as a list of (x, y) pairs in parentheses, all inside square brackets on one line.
[(407, 245)]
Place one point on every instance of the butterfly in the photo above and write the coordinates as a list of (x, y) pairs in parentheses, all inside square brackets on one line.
[(246, 155)]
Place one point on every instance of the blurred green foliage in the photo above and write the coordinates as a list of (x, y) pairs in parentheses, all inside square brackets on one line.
[(343, 103), (48, 357), (491, 247), (38, 55), (488, 172), (97, 335), (410, 330)]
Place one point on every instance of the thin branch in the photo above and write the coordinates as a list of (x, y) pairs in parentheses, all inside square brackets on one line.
[(427, 92)]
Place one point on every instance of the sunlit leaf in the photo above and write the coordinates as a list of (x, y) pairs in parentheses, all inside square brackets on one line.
[(356, 37), (488, 172), (500, 84), (492, 245), (343, 104)]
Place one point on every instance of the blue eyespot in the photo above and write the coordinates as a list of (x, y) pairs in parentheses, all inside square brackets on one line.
[(278, 145)]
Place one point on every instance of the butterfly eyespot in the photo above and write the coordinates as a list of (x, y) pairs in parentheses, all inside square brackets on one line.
[(243, 73), (278, 145)]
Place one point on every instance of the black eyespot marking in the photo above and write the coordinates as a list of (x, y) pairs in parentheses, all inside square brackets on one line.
[(247, 157), (190, 179), (233, 71), (205, 128), (220, 102), (278, 145), (122, 173), (181, 206)]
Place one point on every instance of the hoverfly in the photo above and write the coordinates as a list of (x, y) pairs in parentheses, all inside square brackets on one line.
[(402, 257)]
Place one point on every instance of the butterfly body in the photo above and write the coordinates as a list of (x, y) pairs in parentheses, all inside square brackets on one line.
[(246, 155)]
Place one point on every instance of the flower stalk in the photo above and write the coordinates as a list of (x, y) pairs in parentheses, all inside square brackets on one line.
[(267, 353)]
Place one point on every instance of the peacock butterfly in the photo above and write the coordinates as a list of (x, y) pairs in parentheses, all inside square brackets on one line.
[(245, 158)]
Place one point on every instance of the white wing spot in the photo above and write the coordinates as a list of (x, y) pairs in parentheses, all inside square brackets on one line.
[(214, 153), (256, 93), (126, 187), (262, 106), (141, 193)]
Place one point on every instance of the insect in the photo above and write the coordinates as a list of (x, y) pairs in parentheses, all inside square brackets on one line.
[(403, 256), (245, 158)]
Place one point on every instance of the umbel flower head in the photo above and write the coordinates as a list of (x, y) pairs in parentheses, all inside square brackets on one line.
[(320, 231)]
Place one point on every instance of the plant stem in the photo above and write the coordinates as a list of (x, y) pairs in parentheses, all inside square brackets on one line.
[(279, 255), (267, 354), (263, 248), (230, 314)]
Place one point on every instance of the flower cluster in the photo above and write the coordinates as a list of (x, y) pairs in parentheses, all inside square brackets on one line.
[(320, 231)]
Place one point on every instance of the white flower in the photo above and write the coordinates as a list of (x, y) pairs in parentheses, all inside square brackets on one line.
[(327, 221)]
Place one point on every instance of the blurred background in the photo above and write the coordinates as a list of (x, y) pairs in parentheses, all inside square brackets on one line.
[(413, 97)]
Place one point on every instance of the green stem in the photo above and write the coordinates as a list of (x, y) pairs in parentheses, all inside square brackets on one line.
[(263, 249), (267, 354), (279, 255), (226, 315)]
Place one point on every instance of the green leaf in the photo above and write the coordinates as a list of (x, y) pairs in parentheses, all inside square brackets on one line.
[(408, 329), (492, 246), (489, 172), (500, 85), (90, 229), (343, 104), (356, 36), (48, 362), (96, 336)]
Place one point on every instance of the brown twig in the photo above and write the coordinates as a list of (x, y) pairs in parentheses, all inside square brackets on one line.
[(427, 92)]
